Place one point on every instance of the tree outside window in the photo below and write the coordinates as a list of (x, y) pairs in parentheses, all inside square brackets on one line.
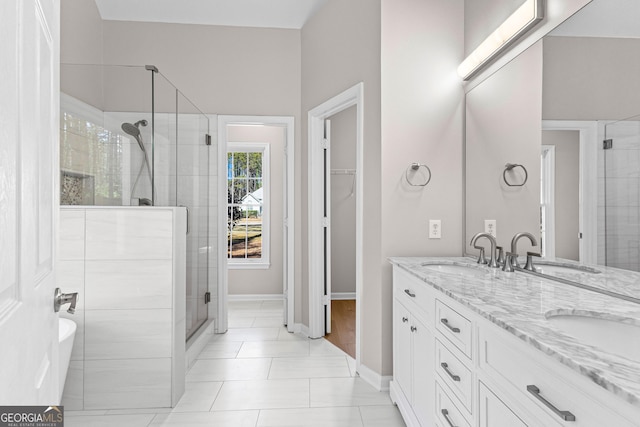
[(246, 196)]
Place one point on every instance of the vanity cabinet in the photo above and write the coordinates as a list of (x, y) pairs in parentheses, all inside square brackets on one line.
[(413, 383), (467, 371)]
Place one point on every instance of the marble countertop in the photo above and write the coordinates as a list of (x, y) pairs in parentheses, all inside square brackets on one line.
[(521, 304)]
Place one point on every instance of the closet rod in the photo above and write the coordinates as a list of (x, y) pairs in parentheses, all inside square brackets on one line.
[(343, 171)]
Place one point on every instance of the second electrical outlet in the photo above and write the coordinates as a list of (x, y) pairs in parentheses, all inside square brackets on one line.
[(490, 227), (435, 229)]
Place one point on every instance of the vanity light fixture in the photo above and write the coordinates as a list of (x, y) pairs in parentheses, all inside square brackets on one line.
[(521, 21)]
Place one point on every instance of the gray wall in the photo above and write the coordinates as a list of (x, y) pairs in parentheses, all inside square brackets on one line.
[(225, 70), (503, 122), (343, 202), (264, 281), (567, 184), (482, 17), (591, 78), (81, 43), (340, 48), (422, 121)]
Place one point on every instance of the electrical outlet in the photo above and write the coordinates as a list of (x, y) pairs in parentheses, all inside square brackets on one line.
[(490, 227), (435, 229)]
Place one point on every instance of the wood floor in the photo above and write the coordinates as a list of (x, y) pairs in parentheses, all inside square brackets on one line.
[(343, 326)]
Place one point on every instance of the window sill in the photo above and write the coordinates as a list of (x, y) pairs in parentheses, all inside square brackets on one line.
[(248, 265)]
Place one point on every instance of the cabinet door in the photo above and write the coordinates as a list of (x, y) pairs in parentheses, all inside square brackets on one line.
[(423, 373), (494, 412), (402, 349)]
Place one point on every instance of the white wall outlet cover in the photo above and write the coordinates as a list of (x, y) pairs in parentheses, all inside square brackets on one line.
[(490, 227), (435, 229)]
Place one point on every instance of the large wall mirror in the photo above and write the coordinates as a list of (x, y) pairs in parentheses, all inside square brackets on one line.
[(550, 110)]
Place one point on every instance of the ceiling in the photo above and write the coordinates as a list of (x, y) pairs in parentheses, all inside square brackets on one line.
[(238, 13)]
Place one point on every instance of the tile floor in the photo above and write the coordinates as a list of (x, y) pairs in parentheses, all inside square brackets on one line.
[(259, 375)]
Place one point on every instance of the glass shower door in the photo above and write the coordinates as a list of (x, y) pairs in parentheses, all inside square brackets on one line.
[(621, 176), (192, 185)]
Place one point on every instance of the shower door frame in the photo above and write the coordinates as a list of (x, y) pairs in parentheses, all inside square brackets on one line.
[(289, 209)]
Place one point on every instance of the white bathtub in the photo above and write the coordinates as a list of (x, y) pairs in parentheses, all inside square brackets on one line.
[(66, 333)]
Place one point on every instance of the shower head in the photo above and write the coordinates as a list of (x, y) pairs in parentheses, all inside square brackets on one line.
[(134, 131)]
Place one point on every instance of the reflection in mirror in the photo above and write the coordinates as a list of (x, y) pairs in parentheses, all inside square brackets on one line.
[(591, 69)]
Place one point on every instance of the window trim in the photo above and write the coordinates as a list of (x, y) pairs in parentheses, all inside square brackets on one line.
[(265, 261)]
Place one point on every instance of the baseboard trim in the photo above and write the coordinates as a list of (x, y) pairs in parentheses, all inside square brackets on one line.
[(299, 328), (255, 297), (379, 382), (343, 295)]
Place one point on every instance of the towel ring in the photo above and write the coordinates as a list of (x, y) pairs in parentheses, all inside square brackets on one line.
[(511, 166), (414, 167)]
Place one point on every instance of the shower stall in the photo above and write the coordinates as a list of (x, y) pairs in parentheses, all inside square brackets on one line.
[(619, 205), (129, 137)]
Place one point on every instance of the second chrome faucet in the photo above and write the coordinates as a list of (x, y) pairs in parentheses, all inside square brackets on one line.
[(510, 261)]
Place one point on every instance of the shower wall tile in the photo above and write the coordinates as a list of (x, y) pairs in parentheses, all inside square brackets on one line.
[(139, 284), (70, 278), (127, 334), (77, 352), (130, 383), (130, 342), (71, 242), (73, 395), (129, 234), (193, 160), (623, 192), (622, 163)]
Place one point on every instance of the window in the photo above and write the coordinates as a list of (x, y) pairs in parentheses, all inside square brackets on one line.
[(248, 205)]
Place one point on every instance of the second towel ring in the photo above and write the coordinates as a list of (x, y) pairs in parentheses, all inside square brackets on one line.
[(511, 166), (414, 167)]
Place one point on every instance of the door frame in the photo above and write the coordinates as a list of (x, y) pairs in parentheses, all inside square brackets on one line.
[(588, 204), (289, 209), (548, 188), (316, 117)]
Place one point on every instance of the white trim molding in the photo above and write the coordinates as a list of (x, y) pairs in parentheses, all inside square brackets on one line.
[(353, 96), (336, 296), (289, 274), (588, 183), (377, 381), (255, 297)]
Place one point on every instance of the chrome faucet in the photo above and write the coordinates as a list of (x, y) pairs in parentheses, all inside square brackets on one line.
[(514, 246), (492, 240), (60, 299)]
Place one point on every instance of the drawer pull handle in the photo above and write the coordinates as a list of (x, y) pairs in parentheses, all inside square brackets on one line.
[(451, 374), (413, 329), (565, 415), (408, 292), (445, 322), (405, 320), (446, 417)]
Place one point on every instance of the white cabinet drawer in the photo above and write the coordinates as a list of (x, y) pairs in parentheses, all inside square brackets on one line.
[(447, 413), (455, 327), (455, 374), (414, 294), (494, 412), (543, 385)]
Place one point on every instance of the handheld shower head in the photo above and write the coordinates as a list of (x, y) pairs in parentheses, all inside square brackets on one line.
[(134, 131)]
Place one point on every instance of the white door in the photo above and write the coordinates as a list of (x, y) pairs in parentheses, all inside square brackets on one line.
[(29, 48), (327, 226)]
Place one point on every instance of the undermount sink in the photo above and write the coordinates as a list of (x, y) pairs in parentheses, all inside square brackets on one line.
[(565, 268), (459, 269), (612, 335)]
